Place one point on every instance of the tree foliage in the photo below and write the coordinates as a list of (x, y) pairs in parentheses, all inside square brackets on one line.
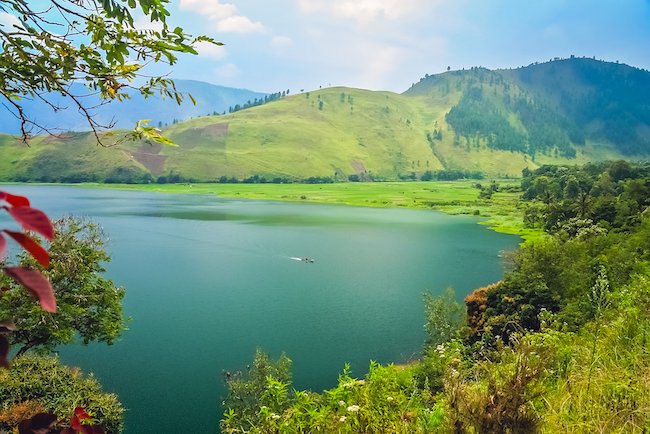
[(444, 316), (265, 383), (89, 305), (55, 43)]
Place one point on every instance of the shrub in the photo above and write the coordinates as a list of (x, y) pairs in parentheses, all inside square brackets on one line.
[(38, 382)]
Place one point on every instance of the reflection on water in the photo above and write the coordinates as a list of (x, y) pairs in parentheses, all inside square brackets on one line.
[(208, 280)]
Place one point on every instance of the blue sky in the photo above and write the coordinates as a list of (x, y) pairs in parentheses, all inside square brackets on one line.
[(274, 45)]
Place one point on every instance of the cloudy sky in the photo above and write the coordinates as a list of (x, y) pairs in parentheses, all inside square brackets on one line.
[(273, 45)]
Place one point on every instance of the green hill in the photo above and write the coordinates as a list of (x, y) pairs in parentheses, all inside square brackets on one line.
[(495, 122)]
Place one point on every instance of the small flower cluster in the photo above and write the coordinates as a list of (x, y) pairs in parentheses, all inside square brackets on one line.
[(353, 383)]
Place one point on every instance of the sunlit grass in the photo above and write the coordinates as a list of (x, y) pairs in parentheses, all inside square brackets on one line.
[(500, 213)]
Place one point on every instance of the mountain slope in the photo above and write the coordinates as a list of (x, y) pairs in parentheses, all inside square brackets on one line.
[(495, 122), (608, 102), (553, 108)]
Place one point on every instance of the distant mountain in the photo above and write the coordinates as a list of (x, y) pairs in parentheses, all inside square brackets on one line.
[(210, 99), (477, 120)]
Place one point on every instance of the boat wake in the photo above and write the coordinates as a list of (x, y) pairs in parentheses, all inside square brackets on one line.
[(307, 260)]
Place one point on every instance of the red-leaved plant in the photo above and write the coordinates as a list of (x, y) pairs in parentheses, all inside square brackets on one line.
[(30, 219), (80, 422)]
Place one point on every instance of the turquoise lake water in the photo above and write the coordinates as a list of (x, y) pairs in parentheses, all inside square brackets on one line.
[(210, 279)]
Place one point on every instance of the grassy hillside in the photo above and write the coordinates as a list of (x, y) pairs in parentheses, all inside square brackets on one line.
[(495, 122), (329, 133), (74, 157)]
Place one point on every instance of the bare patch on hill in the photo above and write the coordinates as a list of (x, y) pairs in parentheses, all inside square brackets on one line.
[(149, 156), (358, 167)]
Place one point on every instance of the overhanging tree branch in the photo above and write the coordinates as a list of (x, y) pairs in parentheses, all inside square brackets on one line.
[(92, 42)]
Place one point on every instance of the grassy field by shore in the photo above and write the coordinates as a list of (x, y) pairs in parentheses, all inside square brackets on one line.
[(501, 212)]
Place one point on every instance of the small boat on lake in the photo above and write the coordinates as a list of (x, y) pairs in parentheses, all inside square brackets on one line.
[(305, 259)]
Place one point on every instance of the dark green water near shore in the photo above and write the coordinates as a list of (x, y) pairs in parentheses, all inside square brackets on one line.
[(208, 280)]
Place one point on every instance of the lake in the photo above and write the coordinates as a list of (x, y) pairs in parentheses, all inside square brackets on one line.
[(209, 279)]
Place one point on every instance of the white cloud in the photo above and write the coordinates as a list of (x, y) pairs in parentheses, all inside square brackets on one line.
[(206, 49), (211, 9), (8, 21), (381, 65), (281, 42), (227, 71), (224, 14), (144, 23), (364, 10), (239, 24)]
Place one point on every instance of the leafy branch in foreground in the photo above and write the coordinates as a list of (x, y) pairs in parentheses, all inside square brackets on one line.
[(19, 208), (53, 44)]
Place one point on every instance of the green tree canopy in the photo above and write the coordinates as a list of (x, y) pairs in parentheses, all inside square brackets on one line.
[(89, 305), (52, 44)]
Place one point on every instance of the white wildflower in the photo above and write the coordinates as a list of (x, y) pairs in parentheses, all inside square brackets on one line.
[(342, 419), (353, 408), (275, 416)]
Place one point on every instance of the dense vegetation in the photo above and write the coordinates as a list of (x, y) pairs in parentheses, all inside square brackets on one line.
[(559, 345), (40, 384), (590, 95), (476, 116)]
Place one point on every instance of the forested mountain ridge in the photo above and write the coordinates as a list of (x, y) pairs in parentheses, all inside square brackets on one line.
[(496, 123), (551, 108)]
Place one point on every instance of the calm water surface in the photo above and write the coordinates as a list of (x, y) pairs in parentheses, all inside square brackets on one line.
[(210, 279)]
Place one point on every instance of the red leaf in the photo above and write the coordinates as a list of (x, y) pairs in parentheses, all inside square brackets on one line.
[(38, 252), (36, 283), (13, 199), (33, 219), (75, 424), (24, 427), (81, 413), (4, 352), (3, 247)]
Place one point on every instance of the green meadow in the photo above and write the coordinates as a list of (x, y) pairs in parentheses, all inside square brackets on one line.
[(501, 212)]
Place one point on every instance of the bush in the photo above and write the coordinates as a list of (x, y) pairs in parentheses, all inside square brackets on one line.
[(35, 383)]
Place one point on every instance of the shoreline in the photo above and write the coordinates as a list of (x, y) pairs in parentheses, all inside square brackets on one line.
[(500, 213)]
